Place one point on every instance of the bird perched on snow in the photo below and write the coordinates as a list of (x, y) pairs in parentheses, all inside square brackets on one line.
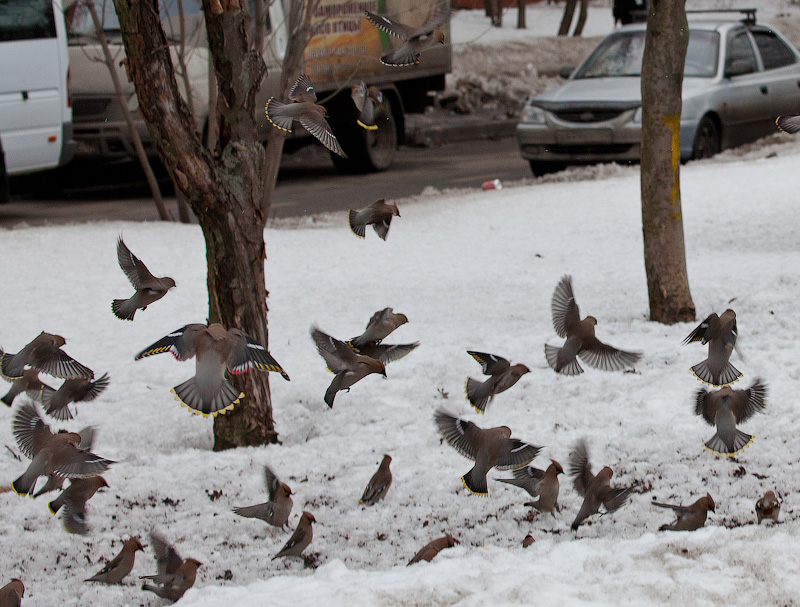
[(379, 215), (349, 366), (724, 409), (175, 575), (430, 550), (488, 448), (73, 499), (768, 507), (379, 484), (595, 490), (541, 483), (43, 354), (306, 111), (382, 323), (720, 333), (788, 124), (502, 375), (366, 100), (58, 454), (120, 566), (148, 288), (415, 39), (581, 341), (11, 594), (56, 403), (28, 383), (217, 350), (277, 509), (690, 517), (300, 539)]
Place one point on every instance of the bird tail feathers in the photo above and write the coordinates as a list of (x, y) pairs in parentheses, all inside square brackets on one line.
[(56, 504), (358, 228), (123, 309), (727, 376), (25, 484), (475, 483), (558, 362), (369, 127), (189, 394), (475, 395), (741, 440)]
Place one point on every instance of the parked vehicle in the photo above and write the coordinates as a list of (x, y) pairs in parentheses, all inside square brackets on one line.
[(345, 50), (35, 109), (738, 77)]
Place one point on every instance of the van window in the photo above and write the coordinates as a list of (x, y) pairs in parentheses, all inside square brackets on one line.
[(26, 20)]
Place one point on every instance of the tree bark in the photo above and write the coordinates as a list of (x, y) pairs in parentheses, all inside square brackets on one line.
[(582, 15), (521, 14), (566, 20), (662, 223)]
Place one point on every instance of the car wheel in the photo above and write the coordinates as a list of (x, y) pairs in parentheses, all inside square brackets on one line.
[(543, 168), (706, 140), (368, 151), (5, 191)]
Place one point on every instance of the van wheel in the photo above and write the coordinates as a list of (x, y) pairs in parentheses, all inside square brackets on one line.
[(368, 151)]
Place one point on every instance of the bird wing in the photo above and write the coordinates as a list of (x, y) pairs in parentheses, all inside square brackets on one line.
[(247, 354), (788, 124), (359, 95), (580, 468), (315, 124), (337, 354), (490, 363), (748, 402), (179, 343), (677, 508), (563, 307), (386, 313), (706, 405), (387, 353), (272, 482), (168, 561), (303, 90), (730, 332), (516, 454), (393, 28), (87, 438), (614, 497), (436, 20), (606, 358), (701, 332), (458, 433), (133, 267), (30, 430), (79, 463), (61, 364), (73, 517), (97, 387)]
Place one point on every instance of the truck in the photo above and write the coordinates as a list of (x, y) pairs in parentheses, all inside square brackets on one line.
[(344, 49)]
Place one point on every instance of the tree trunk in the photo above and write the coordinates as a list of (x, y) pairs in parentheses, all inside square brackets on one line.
[(566, 20), (497, 12), (662, 224), (521, 14), (582, 15)]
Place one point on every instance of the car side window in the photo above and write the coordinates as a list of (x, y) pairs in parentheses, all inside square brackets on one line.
[(740, 49), (26, 20), (774, 53)]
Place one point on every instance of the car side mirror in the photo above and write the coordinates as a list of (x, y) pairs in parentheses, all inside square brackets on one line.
[(739, 67), (566, 71)]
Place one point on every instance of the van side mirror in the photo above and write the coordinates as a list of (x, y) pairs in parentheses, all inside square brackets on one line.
[(739, 67), (566, 71)]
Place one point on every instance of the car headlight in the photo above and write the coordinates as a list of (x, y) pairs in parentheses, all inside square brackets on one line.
[(637, 116), (533, 114)]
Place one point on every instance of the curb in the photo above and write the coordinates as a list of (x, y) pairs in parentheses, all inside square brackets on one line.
[(422, 131)]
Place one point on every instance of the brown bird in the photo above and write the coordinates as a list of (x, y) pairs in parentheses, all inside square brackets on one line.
[(379, 215), (276, 511), (488, 448), (300, 539), (528, 541), (149, 289), (56, 403), (43, 354), (595, 490), (726, 407), (788, 124), (416, 40), (306, 111), (543, 484), (581, 341), (11, 594), (58, 454), (175, 575), (120, 566), (73, 499), (54, 482), (217, 350), (379, 484), (28, 383), (502, 375), (366, 100), (768, 507), (432, 549), (349, 366), (380, 325), (689, 517), (720, 333)]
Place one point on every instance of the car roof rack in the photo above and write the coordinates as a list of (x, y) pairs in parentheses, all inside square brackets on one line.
[(749, 14)]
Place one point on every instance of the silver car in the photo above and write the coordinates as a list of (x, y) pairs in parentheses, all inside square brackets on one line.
[(738, 78)]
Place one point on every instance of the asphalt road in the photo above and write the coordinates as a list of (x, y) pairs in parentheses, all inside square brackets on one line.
[(307, 184)]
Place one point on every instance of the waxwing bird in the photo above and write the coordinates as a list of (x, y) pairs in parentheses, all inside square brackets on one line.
[(415, 40), (306, 111), (580, 339), (175, 575), (387, 353), (11, 594), (379, 215), (788, 124), (28, 383), (595, 490), (54, 482), (56, 403), (217, 350), (120, 566), (276, 511), (43, 354), (58, 454), (689, 517), (488, 448), (502, 375), (432, 549), (719, 332), (725, 408), (382, 323), (366, 100), (73, 499), (349, 366), (148, 288), (543, 484), (379, 484), (300, 539), (768, 507)]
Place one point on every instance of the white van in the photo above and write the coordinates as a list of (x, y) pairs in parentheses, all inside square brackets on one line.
[(35, 106)]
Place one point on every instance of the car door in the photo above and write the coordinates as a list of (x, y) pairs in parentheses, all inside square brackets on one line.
[(781, 75)]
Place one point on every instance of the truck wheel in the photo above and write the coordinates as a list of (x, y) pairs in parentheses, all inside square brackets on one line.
[(368, 151)]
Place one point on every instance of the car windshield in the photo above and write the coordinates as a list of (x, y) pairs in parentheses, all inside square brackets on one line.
[(621, 55)]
